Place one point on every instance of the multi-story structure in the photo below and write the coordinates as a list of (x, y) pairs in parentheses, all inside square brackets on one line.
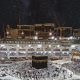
[(11, 33), (44, 31), (63, 31), (76, 32), (44, 39), (22, 31), (40, 31)]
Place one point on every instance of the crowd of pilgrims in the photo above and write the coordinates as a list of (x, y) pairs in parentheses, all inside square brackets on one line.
[(25, 71), (73, 66)]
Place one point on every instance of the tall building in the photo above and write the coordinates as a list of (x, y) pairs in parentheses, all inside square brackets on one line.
[(76, 32), (63, 31), (40, 31)]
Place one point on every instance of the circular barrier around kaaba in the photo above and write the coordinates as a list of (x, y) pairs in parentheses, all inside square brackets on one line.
[(39, 62)]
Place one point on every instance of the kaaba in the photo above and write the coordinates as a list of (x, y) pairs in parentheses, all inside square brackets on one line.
[(39, 62)]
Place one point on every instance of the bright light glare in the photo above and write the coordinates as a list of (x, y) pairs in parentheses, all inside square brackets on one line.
[(49, 51), (35, 37), (52, 37), (22, 33), (70, 38), (39, 45), (7, 32), (29, 45), (50, 46), (2, 45), (58, 45), (54, 52), (72, 46), (55, 38), (23, 52), (18, 45), (50, 33), (2, 58)]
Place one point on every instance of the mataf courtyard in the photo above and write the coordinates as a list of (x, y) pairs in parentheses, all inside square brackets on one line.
[(56, 70)]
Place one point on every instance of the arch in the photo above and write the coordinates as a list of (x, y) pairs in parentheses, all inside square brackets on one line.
[(3, 54)]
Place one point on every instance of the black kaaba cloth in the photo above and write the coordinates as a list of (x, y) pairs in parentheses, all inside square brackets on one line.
[(39, 61)]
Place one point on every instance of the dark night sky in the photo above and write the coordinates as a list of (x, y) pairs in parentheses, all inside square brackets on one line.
[(63, 12)]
